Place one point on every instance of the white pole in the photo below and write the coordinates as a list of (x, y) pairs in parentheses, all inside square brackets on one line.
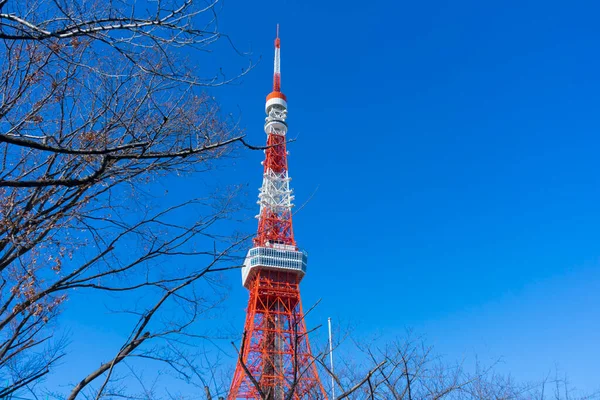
[(331, 361)]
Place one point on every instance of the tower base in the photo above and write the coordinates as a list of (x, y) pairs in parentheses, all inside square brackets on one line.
[(275, 349)]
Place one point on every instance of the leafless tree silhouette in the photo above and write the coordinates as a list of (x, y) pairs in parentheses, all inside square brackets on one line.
[(99, 102), (409, 369)]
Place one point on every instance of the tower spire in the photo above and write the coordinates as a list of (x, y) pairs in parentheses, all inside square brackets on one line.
[(275, 350), (277, 64), (275, 198)]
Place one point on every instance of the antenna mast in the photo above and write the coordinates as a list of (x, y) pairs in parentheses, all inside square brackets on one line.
[(331, 360)]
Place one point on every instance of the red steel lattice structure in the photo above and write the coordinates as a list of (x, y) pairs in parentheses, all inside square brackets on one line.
[(275, 358)]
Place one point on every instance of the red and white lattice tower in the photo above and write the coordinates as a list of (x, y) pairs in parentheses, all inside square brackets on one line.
[(275, 349)]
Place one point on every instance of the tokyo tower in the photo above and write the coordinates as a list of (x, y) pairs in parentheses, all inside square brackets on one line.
[(275, 361)]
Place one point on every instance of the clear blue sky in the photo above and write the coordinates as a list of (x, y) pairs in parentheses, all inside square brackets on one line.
[(453, 148)]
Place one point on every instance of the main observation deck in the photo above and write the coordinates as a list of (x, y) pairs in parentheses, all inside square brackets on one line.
[(279, 257)]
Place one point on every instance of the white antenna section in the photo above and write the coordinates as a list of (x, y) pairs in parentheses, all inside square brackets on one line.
[(331, 360)]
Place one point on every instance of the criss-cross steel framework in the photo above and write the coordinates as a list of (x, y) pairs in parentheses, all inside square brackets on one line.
[(275, 359)]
